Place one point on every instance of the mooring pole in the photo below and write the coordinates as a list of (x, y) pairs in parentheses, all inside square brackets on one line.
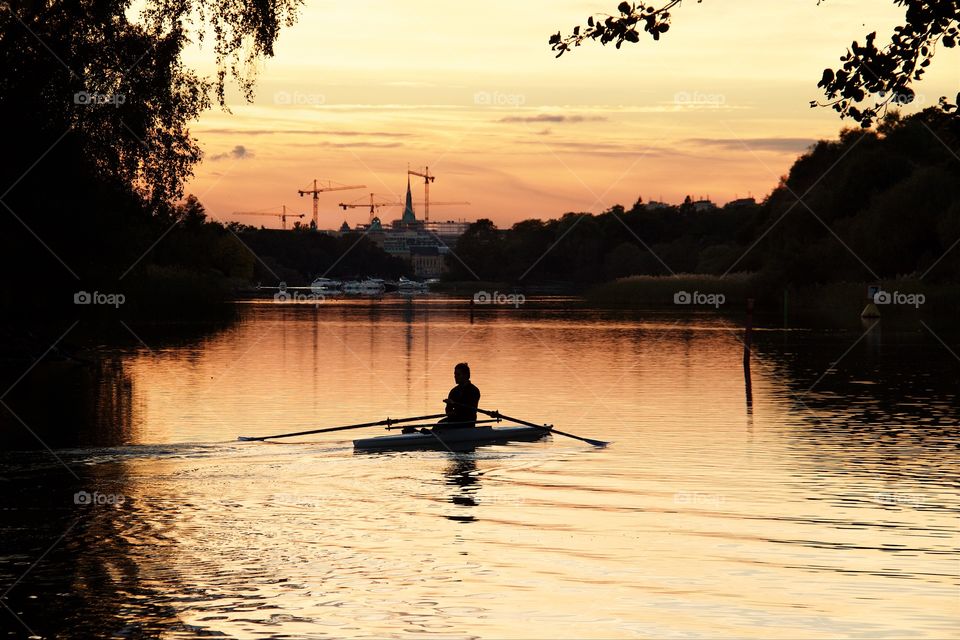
[(747, 339)]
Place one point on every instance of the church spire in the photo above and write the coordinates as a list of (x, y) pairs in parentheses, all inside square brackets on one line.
[(408, 215)]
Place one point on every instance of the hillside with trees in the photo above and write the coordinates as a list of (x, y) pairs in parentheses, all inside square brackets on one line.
[(871, 204)]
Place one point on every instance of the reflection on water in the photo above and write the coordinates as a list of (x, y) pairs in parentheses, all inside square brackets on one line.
[(823, 503)]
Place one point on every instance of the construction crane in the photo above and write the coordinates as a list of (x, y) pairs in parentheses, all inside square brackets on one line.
[(283, 215), (373, 205), (316, 191), (427, 179)]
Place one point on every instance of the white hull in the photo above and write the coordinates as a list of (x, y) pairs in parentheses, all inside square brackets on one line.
[(325, 285), (370, 286)]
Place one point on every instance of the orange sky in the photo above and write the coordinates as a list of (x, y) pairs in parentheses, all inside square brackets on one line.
[(357, 91)]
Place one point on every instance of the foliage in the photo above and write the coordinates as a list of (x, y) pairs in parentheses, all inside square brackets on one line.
[(871, 204), (114, 91), (97, 101), (869, 73), (298, 257)]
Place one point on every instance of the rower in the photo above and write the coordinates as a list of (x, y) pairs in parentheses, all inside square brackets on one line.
[(463, 399), (462, 402)]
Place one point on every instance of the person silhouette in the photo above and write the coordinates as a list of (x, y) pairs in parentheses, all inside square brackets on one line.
[(462, 401)]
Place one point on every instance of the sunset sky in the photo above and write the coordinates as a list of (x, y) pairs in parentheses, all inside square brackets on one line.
[(357, 91)]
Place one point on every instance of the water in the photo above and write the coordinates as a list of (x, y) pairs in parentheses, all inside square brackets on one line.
[(822, 504)]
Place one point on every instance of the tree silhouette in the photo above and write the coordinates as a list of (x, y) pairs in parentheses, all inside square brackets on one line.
[(870, 79), (96, 101), (116, 89)]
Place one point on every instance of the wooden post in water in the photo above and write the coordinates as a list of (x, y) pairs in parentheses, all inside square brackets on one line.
[(786, 293), (747, 339)]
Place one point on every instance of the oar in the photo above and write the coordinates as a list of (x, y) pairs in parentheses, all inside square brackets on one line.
[(444, 424), (497, 414), (387, 422)]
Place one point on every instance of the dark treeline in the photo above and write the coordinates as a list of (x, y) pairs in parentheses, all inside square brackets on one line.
[(297, 257), (882, 203)]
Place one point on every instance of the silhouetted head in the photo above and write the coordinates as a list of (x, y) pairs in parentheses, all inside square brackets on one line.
[(461, 373)]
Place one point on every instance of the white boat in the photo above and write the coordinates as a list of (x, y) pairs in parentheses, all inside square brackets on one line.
[(325, 285), (366, 286), (405, 285), (453, 439)]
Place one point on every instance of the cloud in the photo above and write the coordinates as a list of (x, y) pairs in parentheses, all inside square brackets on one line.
[(300, 132), (239, 152), (548, 117), (347, 145), (755, 144), (601, 148)]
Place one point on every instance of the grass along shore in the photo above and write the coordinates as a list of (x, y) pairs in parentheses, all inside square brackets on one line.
[(908, 296)]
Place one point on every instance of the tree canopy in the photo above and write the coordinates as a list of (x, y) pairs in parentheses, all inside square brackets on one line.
[(870, 79), (869, 205), (96, 102), (90, 76)]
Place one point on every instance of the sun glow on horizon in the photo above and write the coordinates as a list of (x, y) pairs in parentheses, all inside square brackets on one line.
[(715, 109)]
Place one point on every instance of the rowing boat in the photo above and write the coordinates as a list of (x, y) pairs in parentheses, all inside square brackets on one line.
[(451, 439)]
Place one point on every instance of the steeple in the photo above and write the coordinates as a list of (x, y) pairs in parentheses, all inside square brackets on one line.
[(408, 216)]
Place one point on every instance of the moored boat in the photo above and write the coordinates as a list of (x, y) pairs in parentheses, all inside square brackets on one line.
[(451, 439), (368, 286), (325, 285), (405, 285)]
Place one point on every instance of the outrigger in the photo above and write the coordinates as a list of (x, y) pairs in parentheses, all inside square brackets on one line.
[(452, 436)]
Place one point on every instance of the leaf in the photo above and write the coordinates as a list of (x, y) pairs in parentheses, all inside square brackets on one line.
[(624, 7), (826, 79)]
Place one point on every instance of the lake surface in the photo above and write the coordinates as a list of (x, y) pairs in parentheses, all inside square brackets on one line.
[(823, 503)]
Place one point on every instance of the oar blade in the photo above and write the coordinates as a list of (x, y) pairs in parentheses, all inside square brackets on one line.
[(597, 443)]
